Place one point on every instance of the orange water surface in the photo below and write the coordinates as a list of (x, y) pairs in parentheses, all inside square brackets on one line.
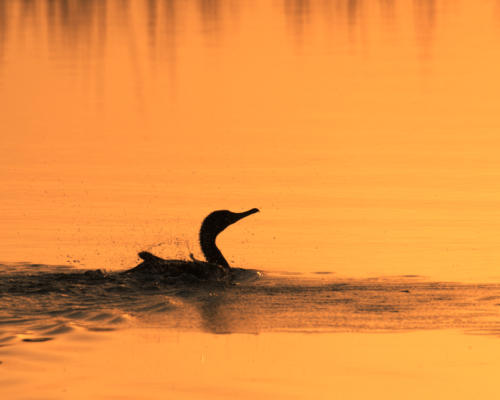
[(366, 132)]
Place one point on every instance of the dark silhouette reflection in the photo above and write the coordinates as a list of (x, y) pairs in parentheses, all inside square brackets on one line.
[(3, 28), (78, 24), (352, 11), (169, 36), (425, 21), (152, 22), (210, 11), (388, 15), (298, 13), (215, 318), (337, 13), (28, 9)]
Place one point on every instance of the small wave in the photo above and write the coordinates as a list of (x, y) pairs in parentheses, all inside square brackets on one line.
[(37, 340)]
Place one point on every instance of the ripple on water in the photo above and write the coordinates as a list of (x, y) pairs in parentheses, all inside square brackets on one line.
[(49, 303), (37, 340)]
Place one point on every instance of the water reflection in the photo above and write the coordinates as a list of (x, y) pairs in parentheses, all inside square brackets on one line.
[(28, 9), (214, 314), (425, 21), (152, 6), (3, 28), (387, 9), (352, 11), (162, 29), (40, 298), (298, 12), (210, 13), (76, 23)]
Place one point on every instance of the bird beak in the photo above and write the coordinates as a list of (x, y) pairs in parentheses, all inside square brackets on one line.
[(246, 213)]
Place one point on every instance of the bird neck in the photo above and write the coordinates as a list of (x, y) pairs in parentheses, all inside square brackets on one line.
[(210, 251)]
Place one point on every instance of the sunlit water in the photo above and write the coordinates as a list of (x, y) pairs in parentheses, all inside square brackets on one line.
[(365, 131), (159, 345)]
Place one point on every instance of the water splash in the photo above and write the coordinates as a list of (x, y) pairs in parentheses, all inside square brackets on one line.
[(39, 302)]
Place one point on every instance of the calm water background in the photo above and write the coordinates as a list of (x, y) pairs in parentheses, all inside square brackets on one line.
[(366, 131)]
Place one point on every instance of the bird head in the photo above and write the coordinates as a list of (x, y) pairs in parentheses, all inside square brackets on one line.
[(219, 220)]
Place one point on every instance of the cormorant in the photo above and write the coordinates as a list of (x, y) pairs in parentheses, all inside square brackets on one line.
[(216, 268)]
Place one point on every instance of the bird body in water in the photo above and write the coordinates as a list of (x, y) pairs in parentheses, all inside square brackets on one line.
[(215, 268)]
